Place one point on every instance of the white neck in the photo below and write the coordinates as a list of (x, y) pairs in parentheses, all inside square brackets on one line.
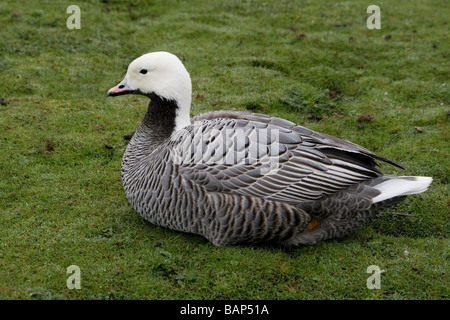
[(182, 120), (183, 117), (182, 95)]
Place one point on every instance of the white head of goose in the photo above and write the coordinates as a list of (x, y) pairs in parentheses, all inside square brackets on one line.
[(238, 177)]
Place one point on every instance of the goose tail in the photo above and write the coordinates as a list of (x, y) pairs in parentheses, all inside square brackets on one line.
[(401, 186)]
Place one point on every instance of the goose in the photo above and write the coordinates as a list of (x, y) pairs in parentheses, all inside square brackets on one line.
[(235, 177)]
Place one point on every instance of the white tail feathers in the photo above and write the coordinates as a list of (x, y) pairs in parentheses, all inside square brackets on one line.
[(401, 186)]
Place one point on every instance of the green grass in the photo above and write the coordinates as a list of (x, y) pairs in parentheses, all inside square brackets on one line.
[(312, 62)]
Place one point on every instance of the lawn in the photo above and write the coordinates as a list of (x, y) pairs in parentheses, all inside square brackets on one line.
[(312, 62)]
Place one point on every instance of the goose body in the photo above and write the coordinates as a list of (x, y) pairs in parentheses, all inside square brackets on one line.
[(238, 177)]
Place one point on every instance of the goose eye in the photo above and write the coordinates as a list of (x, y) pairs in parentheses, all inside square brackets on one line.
[(143, 71)]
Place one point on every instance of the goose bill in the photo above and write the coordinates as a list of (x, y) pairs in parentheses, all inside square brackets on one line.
[(121, 88)]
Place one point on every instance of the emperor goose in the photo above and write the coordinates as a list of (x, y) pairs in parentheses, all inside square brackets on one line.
[(237, 177)]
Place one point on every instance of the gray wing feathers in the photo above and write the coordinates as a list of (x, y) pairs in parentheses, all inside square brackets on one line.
[(308, 165), (310, 138)]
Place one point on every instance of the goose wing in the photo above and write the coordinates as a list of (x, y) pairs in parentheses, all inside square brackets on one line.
[(257, 155)]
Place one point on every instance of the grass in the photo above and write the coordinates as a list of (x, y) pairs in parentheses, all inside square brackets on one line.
[(312, 62)]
